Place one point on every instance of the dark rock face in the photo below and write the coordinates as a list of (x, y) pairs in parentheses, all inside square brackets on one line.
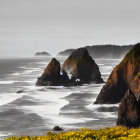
[(125, 76), (129, 111), (52, 75), (79, 64), (42, 54), (57, 128), (82, 67), (20, 91)]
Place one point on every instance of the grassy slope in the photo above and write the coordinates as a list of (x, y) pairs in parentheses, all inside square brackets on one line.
[(115, 133)]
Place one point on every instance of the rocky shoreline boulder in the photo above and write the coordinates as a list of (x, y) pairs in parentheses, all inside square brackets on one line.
[(82, 67), (52, 75), (125, 76), (57, 128), (129, 111)]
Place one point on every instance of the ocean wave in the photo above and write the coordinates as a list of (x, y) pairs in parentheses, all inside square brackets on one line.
[(96, 106), (6, 98), (15, 74), (7, 82)]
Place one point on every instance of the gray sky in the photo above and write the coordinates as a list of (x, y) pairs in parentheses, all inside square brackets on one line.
[(27, 26)]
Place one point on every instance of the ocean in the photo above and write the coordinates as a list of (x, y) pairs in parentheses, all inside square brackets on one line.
[(38, 109)]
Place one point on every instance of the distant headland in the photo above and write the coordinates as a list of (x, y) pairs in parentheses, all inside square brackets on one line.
[(102, 51)]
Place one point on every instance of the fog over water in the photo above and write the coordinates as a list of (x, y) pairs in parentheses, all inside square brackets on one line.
[(27, 26)]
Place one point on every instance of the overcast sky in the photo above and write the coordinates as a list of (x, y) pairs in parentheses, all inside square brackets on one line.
[(27, 26)]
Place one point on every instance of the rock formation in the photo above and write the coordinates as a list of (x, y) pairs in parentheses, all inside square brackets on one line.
[(125, 76), (57, 128), (42, 54), (82, 67), (52, 75), (129, 111), (79, 64)]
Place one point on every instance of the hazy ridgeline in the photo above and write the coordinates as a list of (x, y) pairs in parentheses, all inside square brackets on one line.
[(103, 51)]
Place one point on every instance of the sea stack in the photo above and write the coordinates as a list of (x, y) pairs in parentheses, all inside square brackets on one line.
[(129, 111), (82, 67), (52, 75), (125, 76)]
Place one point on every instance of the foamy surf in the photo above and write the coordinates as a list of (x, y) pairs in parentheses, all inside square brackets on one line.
[(7, 82), (69, 107), (15, 74), (6, 98), (49, 106)]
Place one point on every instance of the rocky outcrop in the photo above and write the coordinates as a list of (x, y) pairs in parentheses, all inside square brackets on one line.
[(52, 75), (42, 54), (79, 65), (125, 76), (129, 111), (102, 51), (20, 91), (57, 128), (82, 67)]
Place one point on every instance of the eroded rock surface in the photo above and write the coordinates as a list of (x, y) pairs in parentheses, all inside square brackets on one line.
[(125, 76), (82, 67), (52, 75), (129, 111)]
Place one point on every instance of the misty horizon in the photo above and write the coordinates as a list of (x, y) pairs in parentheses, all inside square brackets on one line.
[(30, 26)]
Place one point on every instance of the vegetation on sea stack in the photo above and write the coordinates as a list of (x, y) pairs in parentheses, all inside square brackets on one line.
[(116, 133), (133, 56)]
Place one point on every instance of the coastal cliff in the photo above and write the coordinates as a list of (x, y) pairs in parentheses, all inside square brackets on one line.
[(125, 76)]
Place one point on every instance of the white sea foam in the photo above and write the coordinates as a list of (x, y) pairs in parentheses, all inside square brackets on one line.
[(49, 106), (96, 106), (36, 69), (6, 98), (29, 71), (7, 82), (42, 63), (105, 73), (22, 67), (50, 95), (100, 64), (107, 115), (11, 82), (3, 135), (33, 87), (15, 74)]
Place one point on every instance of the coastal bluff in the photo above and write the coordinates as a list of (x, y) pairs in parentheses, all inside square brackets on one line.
[(124, 76)]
